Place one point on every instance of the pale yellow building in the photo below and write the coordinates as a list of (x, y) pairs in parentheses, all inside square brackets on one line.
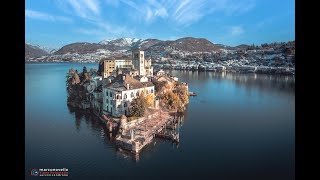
[(111, 65)]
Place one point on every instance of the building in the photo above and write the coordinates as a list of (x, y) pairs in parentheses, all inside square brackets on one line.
[(110, 65), (139, 63), (160, 73), (118, 94)]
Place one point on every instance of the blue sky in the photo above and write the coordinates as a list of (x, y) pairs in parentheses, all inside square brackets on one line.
[(55, 23)]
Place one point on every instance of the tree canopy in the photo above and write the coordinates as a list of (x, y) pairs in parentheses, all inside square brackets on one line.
[(138, 106)]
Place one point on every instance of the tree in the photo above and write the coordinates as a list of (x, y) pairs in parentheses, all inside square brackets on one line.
[(149, 100), (87, 77), (138, 106), (84, 70), (76, 78), (172, 101), (159, 85), (69, 76), (182, 92), (71, 71), (92, 70), (100, 69)]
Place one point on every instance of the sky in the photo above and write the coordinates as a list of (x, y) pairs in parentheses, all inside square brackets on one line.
[(55, 23)]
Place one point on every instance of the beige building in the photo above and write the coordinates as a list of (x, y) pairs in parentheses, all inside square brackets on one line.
[(111, 65), (138, 65)]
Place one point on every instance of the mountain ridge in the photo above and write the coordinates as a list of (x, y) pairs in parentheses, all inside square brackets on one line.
[(122, 47)]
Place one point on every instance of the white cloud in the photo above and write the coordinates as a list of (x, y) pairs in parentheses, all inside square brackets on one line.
[(46, 17), (82, 8), (114, 29), (148, 10), (186, 12), (90, 12), (236, 30), (104, 29)]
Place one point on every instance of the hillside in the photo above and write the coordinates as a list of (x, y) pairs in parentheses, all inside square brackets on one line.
[(34, 51), (79, 48)]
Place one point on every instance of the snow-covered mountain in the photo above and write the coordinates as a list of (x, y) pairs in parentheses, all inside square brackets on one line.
[(47, 49), (34, 51), (121, 42)]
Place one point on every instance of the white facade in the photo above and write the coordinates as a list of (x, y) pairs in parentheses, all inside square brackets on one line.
[(144, 79), (117, 102)]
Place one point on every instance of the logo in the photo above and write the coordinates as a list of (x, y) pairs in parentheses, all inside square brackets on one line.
[(34, 172), (49, 172)]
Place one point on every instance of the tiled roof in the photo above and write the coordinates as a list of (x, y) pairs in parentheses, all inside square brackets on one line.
[(120, 83)]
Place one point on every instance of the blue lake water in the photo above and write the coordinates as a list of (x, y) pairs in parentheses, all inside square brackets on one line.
[(240, 126)]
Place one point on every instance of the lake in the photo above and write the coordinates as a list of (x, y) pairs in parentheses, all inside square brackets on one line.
[(240, 126)]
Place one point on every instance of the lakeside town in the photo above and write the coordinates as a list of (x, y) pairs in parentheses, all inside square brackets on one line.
[(136, 103), (186, 54)]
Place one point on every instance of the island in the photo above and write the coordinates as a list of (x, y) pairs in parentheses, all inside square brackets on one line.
[(135, 103)]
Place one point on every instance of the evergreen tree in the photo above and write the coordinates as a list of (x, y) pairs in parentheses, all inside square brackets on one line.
[(84, 69)]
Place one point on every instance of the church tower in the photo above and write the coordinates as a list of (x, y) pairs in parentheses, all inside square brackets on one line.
[(138, 61)]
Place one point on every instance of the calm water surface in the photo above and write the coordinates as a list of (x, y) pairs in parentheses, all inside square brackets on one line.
[(240, 126)]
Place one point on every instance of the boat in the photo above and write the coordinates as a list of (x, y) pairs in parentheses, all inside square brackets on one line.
[(192, 94)]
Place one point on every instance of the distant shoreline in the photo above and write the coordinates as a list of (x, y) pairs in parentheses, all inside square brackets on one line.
[(227, 71), (30, 62)]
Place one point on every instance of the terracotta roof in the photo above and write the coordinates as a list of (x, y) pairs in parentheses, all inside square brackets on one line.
[(120, 83), (166, 78), (148, 84)]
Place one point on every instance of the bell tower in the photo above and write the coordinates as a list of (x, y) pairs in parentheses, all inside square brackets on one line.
[(138, 61)]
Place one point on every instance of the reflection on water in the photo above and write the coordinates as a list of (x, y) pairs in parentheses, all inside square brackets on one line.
[(263, 82), (239, 126), (97, 125)]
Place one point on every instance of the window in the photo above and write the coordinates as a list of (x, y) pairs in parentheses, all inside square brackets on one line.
[(110, 94), (107, 109), (132, 94), (136, 56), (107, 101), (125, 104), (141, 55), (137, 94), (125, 95), (118, 97), (151, 90), (107, 93)]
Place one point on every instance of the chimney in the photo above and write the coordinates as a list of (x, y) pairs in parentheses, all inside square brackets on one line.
[(128, 86)]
